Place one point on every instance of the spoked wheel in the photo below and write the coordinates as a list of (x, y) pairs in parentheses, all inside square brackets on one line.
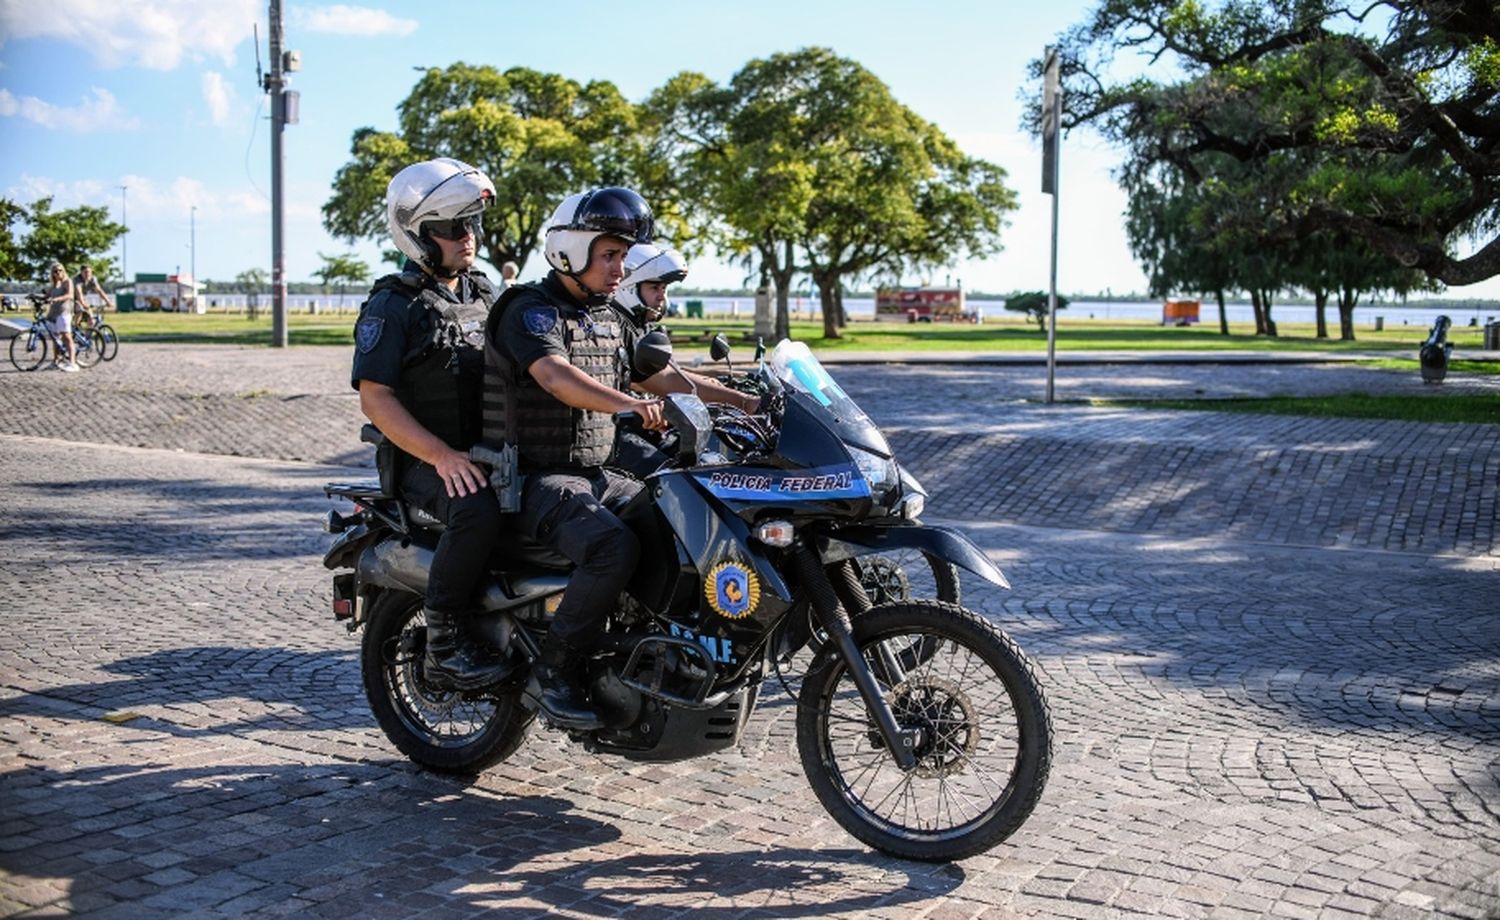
[(904, 574), (88, 348), (445, 730), (973, 706), (111, 342), (28, 350)]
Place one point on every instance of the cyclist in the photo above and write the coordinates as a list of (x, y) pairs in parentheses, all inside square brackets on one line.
[(59, 300), (84, 285)]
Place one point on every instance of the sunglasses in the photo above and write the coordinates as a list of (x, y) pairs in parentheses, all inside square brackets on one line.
[(455, 229)]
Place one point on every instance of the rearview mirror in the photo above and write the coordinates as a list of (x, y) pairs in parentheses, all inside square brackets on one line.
[(718, 349), (652, 353)]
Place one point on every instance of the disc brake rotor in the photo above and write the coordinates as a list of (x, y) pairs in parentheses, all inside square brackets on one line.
[(947, 720), (883, 580)]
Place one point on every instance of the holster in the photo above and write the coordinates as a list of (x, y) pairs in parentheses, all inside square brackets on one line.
[(505, 474)]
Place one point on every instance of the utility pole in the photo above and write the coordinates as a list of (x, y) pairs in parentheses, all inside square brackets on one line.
[(124, 239), (193, 252), (1051, 142), (284, 104)]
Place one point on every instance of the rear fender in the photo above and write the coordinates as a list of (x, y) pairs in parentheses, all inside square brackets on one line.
[(859, 540)]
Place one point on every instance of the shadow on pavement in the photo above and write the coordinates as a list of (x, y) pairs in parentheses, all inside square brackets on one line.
[(366, 840), (294, 690)]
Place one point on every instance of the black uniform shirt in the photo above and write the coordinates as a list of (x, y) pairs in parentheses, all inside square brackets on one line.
[(531, 327), (391, 324)]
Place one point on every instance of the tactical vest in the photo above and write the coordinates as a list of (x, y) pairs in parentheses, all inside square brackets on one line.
[(442, 372), (517, 410)]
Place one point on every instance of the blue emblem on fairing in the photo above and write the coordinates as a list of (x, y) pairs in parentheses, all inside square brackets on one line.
[(540, 320), (824, 483), (367, 333), (732, 590)]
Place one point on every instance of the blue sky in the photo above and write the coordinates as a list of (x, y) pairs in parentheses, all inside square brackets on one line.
[(160, 96)]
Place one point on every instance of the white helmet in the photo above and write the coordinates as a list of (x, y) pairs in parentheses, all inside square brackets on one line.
[(434, 192), (585, 217), (648, 262)]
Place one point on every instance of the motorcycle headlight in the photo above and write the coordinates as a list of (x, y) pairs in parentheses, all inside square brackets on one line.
[(879, 472)]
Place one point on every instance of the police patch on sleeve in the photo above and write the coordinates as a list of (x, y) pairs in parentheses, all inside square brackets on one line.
[(367, 333), (540, 320)]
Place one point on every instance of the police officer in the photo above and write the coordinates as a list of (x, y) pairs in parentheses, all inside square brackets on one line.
[(641, 300), (419, 369), (555, 371)]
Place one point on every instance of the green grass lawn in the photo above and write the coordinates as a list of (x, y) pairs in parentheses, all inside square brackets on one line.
[(1007, 334)]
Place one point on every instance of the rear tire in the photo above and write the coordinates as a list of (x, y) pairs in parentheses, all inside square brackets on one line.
[(982, 729), (444, 730), (111, 342), (28, 350)]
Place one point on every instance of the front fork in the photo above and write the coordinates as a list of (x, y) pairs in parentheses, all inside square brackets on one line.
[(834, 618)]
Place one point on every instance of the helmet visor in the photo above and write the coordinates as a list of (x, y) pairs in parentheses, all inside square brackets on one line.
[(455, 229)]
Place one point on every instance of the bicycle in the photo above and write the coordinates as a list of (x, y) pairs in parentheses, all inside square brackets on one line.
[(29, 349), (86, 319)]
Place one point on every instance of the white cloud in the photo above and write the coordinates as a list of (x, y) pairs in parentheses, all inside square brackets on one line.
[(97, 112), (362, 21), (219, 96), (155, 34), (149, 200)]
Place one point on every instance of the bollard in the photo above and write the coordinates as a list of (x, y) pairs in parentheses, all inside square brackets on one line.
[(1492, 336), (1435, 352)]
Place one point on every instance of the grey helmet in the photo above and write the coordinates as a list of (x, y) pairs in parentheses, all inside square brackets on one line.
[(648, 262), (436, 192)]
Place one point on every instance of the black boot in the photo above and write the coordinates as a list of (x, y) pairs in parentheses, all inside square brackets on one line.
[(451, 663), (557, 689)]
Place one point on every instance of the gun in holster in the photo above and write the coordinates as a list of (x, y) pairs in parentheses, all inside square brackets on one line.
[(505, 473)]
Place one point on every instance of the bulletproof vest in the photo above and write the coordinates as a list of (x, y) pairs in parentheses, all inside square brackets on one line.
[(442, 372), (517, 410)]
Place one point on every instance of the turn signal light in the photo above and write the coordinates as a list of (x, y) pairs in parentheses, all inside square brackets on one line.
[(775, 533)]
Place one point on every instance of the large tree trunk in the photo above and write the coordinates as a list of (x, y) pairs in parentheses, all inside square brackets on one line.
[(1223, 313), (828, 302), (1265, 304), (1259, 311), (780, 270), (1320, 298), (1347, 299)]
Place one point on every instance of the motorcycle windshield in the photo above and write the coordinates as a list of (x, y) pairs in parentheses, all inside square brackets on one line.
[(798, 369)]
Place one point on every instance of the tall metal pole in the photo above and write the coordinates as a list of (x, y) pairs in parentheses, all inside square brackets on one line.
[(274, 84), (124, 238), (1051, 158), (193, 252)]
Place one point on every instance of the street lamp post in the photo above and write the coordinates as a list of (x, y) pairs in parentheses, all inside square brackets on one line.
[(193, 252), (124, 238)]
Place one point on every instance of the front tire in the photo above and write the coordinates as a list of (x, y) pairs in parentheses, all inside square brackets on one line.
[(28, 350), (88, 348), (111, 342), (444, 730), (983, 734)]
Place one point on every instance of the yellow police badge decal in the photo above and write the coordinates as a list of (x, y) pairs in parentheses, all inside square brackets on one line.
[(732, 590)]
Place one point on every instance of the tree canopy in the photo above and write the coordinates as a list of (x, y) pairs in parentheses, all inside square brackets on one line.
[(539, 137), (73, 236), (1377, 123), (805, 161)]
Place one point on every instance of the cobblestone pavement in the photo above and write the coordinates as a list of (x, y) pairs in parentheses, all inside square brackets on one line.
[(1271, 646)]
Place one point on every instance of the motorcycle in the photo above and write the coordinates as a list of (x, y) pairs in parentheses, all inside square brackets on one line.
[(921, 726)]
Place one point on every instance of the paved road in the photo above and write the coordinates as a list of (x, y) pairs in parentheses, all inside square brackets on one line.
[(1272, 664)]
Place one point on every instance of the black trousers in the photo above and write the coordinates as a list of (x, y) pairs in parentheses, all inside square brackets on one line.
[(573, 513), (473, 526)]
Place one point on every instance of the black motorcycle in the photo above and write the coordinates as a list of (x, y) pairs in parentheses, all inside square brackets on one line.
[(921, 726)]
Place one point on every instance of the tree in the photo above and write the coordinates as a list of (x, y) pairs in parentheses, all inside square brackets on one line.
[(12, 266), (538, 137), (805, 162), (72, 236), (252, 279), (341, 270), (1379, 122), (1034, 305)]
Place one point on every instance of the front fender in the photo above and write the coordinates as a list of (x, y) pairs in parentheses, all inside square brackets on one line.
[(848, 542)]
